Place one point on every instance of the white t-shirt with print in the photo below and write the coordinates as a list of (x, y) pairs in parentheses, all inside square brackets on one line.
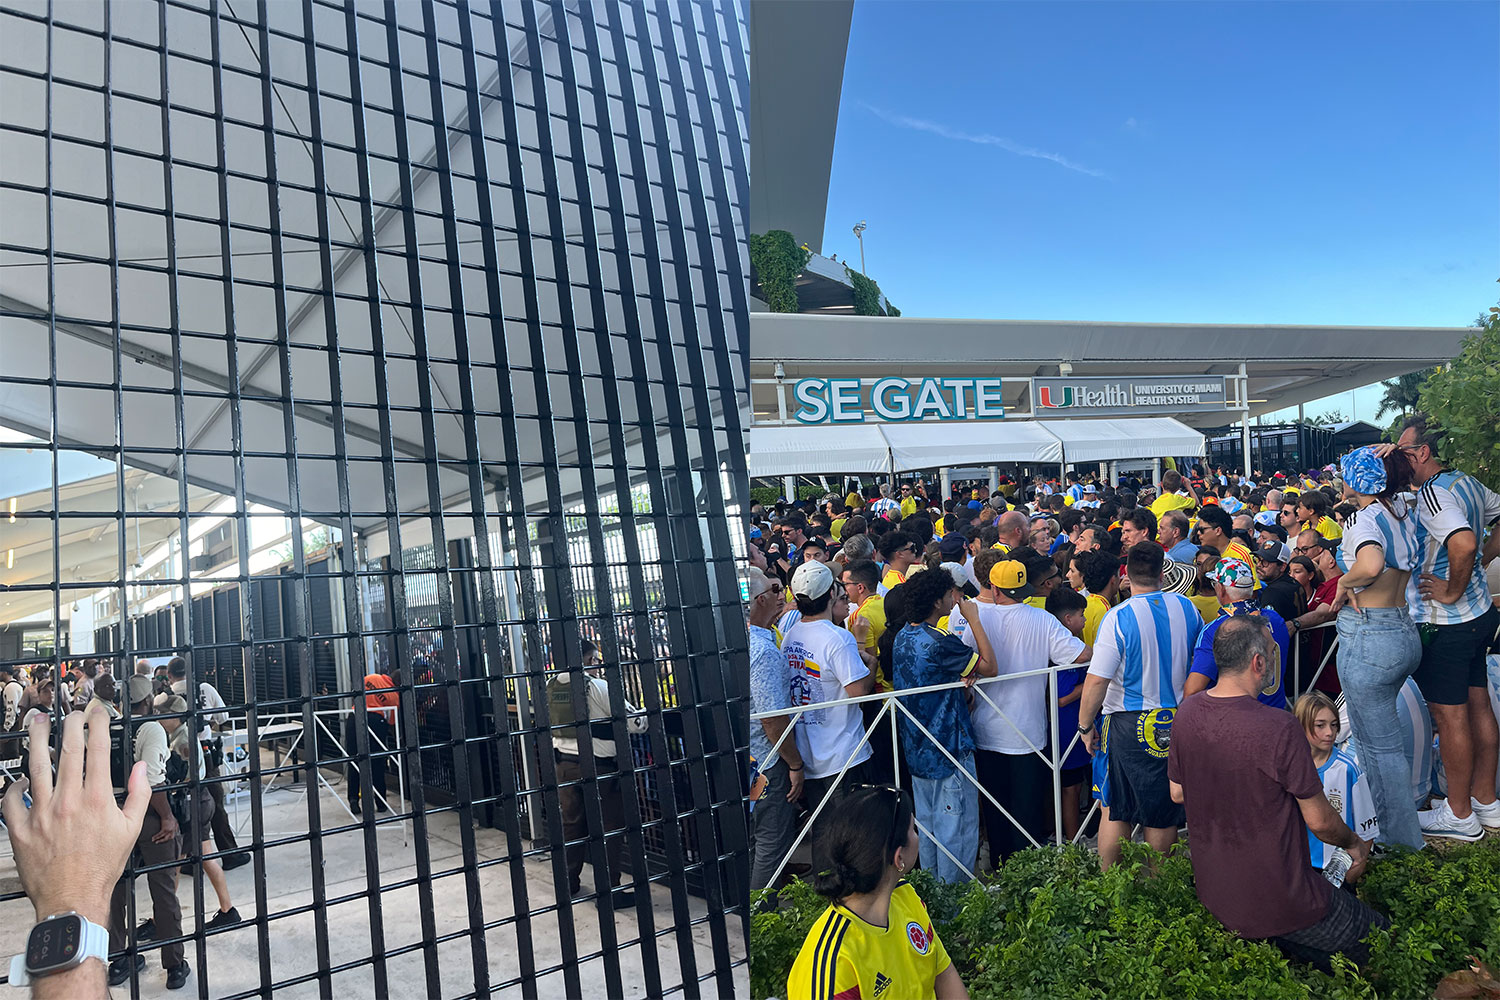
[(1023, 638), (822, 659)]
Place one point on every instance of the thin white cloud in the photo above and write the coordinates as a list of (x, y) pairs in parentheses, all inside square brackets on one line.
[(981, 139), (1131, 123)]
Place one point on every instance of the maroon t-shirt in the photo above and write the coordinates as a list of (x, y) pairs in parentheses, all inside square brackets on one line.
[(1242, 766)]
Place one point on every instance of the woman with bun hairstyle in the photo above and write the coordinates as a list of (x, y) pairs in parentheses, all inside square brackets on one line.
[(875, 938)]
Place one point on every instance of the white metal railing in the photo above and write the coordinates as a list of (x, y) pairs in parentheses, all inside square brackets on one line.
[(1052, 756), (238, 736)]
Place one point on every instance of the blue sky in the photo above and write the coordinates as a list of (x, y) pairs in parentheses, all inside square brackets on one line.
[(1298, 163)]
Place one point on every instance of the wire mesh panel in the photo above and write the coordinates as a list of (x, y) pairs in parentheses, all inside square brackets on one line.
[(382, 366)]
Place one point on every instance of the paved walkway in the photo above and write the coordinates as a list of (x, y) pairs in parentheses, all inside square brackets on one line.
[(232, 956)]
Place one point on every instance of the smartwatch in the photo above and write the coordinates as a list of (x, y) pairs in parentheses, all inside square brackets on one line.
[(57, 944)]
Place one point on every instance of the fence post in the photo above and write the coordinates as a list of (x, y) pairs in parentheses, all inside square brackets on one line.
[(1057, 738)]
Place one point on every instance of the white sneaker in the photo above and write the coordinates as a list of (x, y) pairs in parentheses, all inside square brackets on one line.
[(1488, 815), (1439, 821)]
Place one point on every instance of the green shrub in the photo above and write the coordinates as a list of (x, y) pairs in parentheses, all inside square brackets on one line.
[(777, 260), (1049, 924)]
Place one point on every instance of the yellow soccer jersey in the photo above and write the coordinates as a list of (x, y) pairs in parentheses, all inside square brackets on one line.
[(1093, 614), (1327, 527), (908, 506), (845, 958), (1169, 502), (892, 579), (873, 611), (1238, 551)]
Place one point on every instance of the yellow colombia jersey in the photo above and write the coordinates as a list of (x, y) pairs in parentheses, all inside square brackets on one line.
[(873, 611), (845, 958), (1169, 502), (1238, 551), (1093, 613), (1327, 527), (892, 579)]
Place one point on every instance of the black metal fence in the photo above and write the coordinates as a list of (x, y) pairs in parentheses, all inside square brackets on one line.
[(457, 289)]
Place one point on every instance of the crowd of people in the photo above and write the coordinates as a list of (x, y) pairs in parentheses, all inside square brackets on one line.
[(1169, 613), (170, 752)]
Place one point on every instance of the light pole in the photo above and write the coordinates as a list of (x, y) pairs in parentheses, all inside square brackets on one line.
[(859, 234)]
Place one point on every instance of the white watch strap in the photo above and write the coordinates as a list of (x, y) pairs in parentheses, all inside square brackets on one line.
[(95, 944)]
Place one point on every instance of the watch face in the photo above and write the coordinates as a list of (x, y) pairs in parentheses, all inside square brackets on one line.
[(54, 942)]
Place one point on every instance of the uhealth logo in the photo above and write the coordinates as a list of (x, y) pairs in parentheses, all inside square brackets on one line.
[(1044, 396)]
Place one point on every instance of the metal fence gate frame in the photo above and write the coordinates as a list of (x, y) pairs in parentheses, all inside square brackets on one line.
[(529, 356)]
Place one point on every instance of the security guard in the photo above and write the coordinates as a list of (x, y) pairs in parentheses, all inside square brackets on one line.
[(565, 742)]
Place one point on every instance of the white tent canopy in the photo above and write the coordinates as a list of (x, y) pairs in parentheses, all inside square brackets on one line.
[(879, 448), (936, 446), (1136, 437), (797, 451)]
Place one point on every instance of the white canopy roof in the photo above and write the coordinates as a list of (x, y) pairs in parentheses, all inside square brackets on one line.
[(1135, 437), (878, 448), (796, 451), (934, 446)]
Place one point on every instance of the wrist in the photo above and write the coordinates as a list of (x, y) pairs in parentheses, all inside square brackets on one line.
[(94, 910)]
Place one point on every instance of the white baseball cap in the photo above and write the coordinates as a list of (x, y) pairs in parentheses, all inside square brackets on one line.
[(812, 580)]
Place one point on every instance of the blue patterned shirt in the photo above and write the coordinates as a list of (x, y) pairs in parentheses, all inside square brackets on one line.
[(924, 655), (770, 690)]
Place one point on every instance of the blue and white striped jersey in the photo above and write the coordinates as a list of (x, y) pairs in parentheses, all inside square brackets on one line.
[(1144, 648), (1396, 534), (1349, 793), (1442, 502), (1416, 736)]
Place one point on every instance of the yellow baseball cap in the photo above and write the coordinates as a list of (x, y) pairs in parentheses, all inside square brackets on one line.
[(1009, 577)]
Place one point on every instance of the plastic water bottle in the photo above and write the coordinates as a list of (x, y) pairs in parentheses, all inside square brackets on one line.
[(1337, 866)]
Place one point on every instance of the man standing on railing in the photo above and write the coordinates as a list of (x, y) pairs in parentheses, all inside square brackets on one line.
[(775, 818), (1140, 663)]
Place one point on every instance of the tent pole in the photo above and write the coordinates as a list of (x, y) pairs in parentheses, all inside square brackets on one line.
[(1245, 422)]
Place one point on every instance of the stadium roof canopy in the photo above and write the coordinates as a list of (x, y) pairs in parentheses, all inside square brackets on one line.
[(1285, 365)]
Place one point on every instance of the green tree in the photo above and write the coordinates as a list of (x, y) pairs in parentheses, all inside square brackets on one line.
[(1325, 419), (1401, 393), (1463, 398)]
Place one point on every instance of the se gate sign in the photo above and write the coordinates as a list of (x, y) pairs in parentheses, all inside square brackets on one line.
[(842, 400)]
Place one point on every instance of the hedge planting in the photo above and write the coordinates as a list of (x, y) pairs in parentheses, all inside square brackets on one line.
[(1049, 924)]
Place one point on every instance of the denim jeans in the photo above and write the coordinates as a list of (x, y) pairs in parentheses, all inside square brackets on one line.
[(1378, 649), (949, 809)]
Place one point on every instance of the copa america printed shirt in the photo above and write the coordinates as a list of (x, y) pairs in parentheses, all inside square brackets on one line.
[(1349, 793), (822, 659), (1394, 530), (1446, 503), (1143, 648), (844, 958)]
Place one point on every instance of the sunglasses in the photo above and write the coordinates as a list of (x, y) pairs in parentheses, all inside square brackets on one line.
[(897, 836)]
